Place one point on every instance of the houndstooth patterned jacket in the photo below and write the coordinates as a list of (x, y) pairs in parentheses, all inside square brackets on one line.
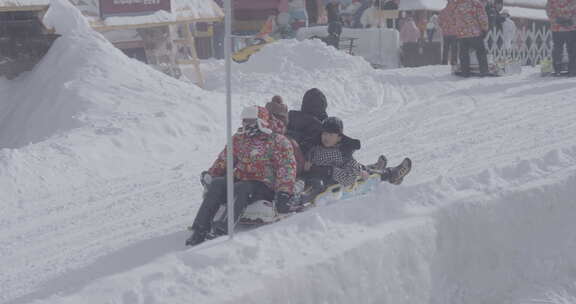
[(345, 169)]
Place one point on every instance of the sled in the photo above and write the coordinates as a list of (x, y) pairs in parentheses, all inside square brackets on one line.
[(262, 212)]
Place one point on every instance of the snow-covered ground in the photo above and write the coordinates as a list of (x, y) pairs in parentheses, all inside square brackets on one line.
[(100, 157)]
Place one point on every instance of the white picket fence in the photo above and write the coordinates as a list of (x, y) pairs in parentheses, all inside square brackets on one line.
[(529, 47)]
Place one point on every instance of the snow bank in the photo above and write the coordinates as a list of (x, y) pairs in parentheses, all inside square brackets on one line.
[(285, 57), (289, 68), (377, 46), (98, 180), (470, 248), (65, 19), (87, 112)]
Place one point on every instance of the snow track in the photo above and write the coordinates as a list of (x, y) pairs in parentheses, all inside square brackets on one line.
[(86, 230), (479, 244), (71, 230)]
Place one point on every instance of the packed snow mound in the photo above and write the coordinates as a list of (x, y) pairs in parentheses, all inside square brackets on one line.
[(289, 68), (291, 56), (88, 112), (498, 241), (65, 19), (95, 201)]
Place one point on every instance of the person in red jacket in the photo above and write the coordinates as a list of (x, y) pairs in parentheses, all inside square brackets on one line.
[(264, 168), (471, 23), (562, 15), (449, 31)]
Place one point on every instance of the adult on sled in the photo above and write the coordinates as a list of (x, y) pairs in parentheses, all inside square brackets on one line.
[(305, 125), (471, 23), (562, 15), (264, 168), (331, 161)]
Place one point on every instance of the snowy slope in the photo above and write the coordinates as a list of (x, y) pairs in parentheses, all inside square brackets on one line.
[(101, 154), (100, 105)]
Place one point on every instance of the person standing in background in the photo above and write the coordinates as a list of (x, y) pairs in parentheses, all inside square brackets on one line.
[(432, 27), (449, 32), (508, 30), (409, 31), (472, 27), (562, 15)]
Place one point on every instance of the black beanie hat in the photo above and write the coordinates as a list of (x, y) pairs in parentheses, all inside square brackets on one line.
[(333, 125)]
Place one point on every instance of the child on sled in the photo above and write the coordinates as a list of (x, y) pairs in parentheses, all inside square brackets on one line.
[(331, 161)]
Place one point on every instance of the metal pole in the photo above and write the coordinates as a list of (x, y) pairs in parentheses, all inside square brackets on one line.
[(230, 145), (381, 50)]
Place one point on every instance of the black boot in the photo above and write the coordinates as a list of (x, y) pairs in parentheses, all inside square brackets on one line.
[(379, 166), (313, 188), (197, 237), (220, 227), (381, 163), (396, 175)]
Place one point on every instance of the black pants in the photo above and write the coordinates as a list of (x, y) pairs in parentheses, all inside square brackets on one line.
[(477, 44), (450, 47), (312, 11), (245, 193), (560, 40)]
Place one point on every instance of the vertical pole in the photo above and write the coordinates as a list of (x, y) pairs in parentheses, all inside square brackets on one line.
[(230, 145), (380, 25)]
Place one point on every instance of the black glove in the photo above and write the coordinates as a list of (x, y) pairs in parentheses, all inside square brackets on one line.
[(564, 21), (282, 201), (320, 172)]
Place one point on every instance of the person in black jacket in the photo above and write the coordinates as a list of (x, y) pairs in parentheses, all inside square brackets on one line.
[(334, 24), (331, 160), (305, 126)]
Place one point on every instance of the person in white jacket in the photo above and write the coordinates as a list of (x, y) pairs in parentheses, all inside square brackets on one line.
[(380, 14), (433, 28), (370, 17), (508, 30)]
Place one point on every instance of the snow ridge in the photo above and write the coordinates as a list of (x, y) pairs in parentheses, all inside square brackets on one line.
[(469, 248)]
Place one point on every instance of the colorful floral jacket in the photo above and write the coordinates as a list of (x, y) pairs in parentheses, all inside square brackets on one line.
[(447, 21), (562, 9), (266, 158), (470, 18)]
